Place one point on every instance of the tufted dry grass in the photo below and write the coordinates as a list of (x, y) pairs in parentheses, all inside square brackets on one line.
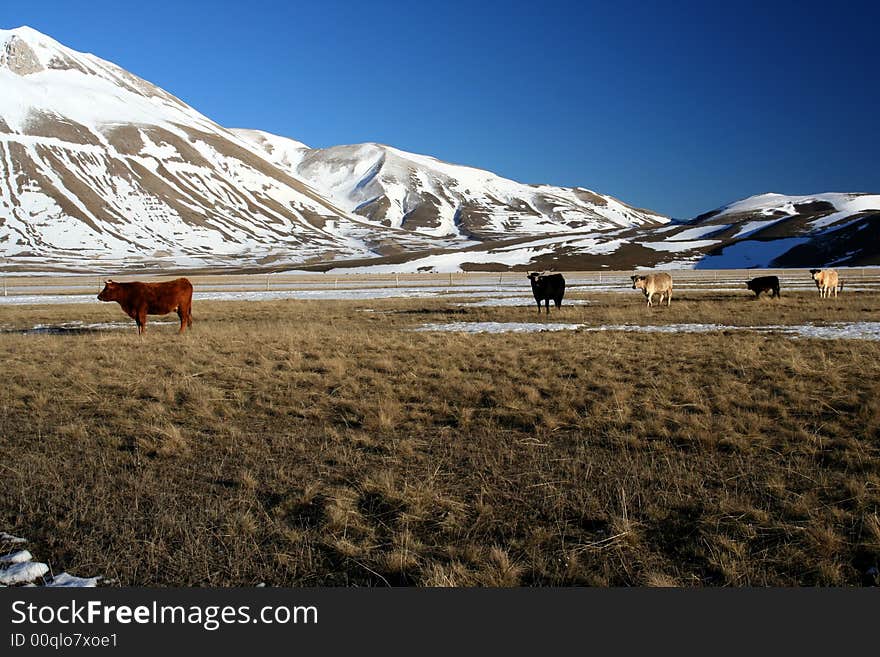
[(305, 443)]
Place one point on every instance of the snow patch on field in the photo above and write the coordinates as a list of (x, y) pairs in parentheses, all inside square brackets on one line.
[(17, 568), (83, 327), (518, 301), (837, 331), (10, 539), (22, 573), (66, 580), (341, 294), (452, 262), (497, 327), (15, 557)]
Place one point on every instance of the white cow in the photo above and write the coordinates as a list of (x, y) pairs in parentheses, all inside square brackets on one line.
[(827, 281), (653, 284)]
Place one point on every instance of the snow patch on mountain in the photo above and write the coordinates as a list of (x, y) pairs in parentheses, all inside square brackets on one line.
[(750, 253)]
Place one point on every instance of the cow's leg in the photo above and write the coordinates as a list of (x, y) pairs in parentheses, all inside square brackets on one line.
[(142, 321), (669, 297), (558, 303), (181, 313), (547, 305)]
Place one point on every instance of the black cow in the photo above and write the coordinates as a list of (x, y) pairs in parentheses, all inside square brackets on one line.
[(764, 284), (546, 287)]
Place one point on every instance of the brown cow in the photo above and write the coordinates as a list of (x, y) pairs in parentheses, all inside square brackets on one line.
[(654, 284), (827, 281), (141, 299)]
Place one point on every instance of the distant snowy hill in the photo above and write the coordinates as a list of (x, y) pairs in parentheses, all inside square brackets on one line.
[(773, 230), (769, 230)]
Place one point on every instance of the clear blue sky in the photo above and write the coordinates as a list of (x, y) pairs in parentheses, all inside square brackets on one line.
[(675, 106)]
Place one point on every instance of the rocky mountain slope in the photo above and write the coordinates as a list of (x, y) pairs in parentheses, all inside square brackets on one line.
[(390, 187), (769, 230), (100, 169), (97, 165)]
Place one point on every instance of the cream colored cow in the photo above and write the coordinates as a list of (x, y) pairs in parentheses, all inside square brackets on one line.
[(654, 284), (827, 281)]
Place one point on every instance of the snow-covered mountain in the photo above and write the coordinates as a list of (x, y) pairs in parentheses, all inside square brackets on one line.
[(774, 230), (97, 164), (100, 166), (101, 169), (390, 187), (769, 230)]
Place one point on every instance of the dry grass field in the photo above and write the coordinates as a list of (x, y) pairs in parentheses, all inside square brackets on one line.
[(303, 443)]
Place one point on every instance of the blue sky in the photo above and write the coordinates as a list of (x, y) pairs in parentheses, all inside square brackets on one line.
[(675, 106)]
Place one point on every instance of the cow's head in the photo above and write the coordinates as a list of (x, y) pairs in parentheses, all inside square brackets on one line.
[(534, 276), (639, 282), (110, 291), (813, 273)]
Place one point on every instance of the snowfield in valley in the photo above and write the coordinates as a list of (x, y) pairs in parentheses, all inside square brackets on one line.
[(840, 330)]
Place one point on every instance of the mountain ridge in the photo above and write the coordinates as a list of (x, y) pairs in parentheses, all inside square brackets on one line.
[(102, 169)]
